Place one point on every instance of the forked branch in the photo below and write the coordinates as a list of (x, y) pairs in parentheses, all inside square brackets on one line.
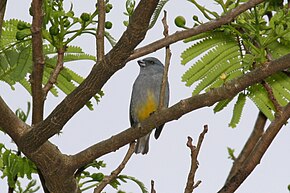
[(190, 184)]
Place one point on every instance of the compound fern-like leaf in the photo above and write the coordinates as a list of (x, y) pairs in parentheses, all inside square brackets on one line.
[(259, 96), (157, 12), (238, 109), (221, 105)]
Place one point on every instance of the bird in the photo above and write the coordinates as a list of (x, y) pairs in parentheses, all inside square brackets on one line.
[(145, 98)]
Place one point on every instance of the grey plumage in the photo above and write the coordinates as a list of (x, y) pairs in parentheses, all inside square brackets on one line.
[(145, 97)]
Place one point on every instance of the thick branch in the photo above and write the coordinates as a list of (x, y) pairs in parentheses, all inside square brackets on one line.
[(100, 30), (178, 36), (38, 63), (229, 90), (98, 76), (117, 171), (256, 155), (257, 132), (10, 123)]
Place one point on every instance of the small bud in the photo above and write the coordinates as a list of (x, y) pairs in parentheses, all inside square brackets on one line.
[(53, 30), (108, 25), (22, 25), (85, 17), (180, 21)]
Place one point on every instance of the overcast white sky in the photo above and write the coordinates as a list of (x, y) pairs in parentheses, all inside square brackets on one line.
[(168, 160)]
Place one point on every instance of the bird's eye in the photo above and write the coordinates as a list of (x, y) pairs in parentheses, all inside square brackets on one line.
[(151, 62)]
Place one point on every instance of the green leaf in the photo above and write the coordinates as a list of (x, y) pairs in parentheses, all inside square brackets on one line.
[(238, 109), (110, 38), (221, 105), (98, 176), (202, 46), (214, 73), (138, 182), (114, 183), (231, 153), (6, 157), (157, 12), (259, 96), (209, 62)]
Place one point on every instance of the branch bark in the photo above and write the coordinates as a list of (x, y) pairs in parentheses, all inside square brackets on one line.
[(256, 155), (166, 65), (100, 30), (38, 63), (190, 185), (56, 71), (174, 112)]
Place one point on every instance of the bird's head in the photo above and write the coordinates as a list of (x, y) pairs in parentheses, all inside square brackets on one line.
[(150, 64)]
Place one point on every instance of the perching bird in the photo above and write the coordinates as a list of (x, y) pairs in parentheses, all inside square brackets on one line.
[(145, 98)]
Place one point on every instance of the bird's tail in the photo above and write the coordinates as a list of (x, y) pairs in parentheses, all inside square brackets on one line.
[(142, 145)]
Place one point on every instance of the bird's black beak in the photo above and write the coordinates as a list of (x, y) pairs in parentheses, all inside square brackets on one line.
[(141, 63)]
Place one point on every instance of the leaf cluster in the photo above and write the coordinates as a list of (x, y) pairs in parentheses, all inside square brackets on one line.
[(16, 62), (254, 38)]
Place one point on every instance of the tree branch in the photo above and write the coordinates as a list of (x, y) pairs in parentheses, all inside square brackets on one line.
[(190, 185), (117, 171), (180, 35), (229, 90), (152, 187), (54, 74), (38, 63), (100, 30), (271, 96), (256, 134), (10, 123), (167, 63), (256, 155)]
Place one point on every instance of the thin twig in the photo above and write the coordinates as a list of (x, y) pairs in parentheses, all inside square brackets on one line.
[(100, 30), (190, 185), (257, 132), (277, 106), (117, 171), (55, 73), (167, 63), (152, 187), (38, 63)]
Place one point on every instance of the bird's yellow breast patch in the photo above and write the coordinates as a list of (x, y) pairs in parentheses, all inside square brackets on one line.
[(148, 107)]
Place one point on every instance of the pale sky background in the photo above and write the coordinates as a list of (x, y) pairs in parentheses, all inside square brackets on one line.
[(168, 160)]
